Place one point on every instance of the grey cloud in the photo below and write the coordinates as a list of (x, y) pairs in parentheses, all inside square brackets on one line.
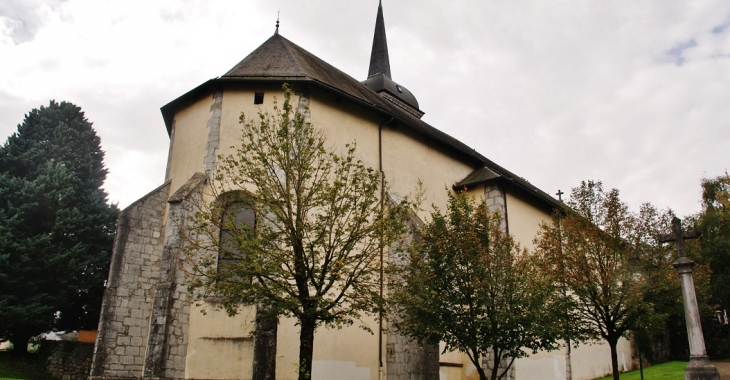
[(721, 28), (24, 17), (676, 53)]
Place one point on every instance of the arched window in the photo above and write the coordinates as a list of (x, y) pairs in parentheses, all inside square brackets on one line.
[(238, 223)]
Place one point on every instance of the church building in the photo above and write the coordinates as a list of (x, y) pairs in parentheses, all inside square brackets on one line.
[(151, 329)]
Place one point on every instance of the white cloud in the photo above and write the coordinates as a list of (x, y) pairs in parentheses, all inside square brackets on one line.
[(21, 19), (556, 91)]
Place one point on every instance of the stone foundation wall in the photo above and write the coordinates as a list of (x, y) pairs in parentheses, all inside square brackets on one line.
[(488, 364), (408, 360), (133, 275), (68, 360)]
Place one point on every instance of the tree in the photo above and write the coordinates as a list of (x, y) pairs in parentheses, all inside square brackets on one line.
[(315, 247), (468, 284), (613, 268), (714, 224), (56, 229)]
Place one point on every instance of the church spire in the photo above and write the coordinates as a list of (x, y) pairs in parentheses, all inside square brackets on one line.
[(379, 79), (379, 62)]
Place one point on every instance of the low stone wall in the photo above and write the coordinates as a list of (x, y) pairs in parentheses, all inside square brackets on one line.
[(68, 360)]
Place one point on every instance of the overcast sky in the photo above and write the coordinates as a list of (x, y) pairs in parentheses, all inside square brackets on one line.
[(634, 93)]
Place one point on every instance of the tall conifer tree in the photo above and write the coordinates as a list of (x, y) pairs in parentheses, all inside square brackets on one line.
[(56, 227)]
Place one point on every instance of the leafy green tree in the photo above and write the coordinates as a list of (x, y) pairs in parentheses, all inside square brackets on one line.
[(713, 250), (56, 228), (613, 268), (468, 284), (714, 224), (314, 250)]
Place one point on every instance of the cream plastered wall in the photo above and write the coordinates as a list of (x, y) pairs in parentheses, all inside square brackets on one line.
[(241, 99), (456, 365), (524, 219), (219, 346), (588, 361), (190, 137), (226, 340), (350, 351), (407, 158)]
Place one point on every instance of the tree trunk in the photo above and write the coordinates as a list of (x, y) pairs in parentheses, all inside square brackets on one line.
[(306, 347), (480, 371), (477, 363), (614, 357), (264, 348), (568, 363), (20, 343), (496, 358)]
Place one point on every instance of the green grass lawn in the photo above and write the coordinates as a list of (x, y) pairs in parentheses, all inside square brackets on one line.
[(27, 367), (664, 371)]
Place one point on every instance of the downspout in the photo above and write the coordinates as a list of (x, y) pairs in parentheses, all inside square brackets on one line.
[(506, 217), (382, 273)]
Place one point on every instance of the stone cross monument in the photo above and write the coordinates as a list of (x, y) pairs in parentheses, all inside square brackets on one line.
[(699, 367)]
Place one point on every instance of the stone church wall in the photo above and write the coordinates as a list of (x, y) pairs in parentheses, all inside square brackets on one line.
[(134, 272)]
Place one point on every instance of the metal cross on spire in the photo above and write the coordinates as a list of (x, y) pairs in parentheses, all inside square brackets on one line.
[(560, 195)]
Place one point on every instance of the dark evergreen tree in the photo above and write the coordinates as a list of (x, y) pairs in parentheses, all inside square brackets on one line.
[(56, 228)]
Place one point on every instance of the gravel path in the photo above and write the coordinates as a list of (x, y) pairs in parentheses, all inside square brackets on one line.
[(724, 369)]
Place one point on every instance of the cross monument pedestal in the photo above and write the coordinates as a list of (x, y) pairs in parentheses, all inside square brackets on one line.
[(699, 367)]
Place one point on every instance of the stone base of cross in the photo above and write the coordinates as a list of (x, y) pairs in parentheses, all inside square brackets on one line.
[(699, 367)]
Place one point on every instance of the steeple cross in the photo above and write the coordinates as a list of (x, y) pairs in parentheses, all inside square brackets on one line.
[(679, 236), (560, 195)]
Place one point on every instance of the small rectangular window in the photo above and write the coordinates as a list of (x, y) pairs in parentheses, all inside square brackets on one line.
[(258, 98)]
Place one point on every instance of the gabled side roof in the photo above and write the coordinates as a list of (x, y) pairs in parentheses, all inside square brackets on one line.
[(280, 60)]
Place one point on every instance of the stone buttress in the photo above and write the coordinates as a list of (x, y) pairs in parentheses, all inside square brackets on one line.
[(143, 324)]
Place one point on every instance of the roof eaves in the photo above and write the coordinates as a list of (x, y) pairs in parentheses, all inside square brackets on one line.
[(467, 185), (517, 182), (168, 110)]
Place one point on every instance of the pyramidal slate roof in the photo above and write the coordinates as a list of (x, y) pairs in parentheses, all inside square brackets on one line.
[(279, 60)]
